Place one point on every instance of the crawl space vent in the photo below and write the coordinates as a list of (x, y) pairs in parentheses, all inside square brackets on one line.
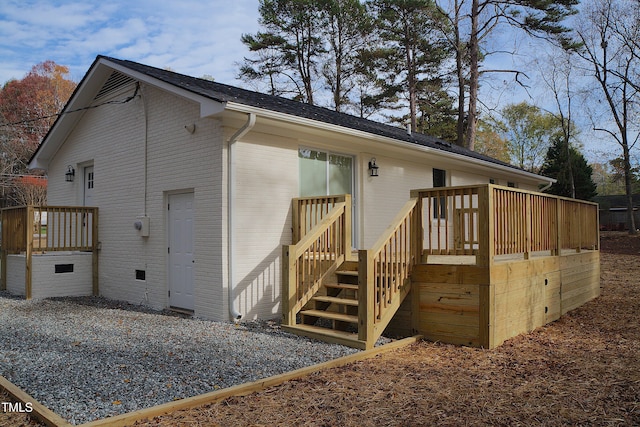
[(64, 268)]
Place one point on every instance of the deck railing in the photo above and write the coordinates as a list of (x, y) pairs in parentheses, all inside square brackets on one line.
[(48, 228), (384, 272), (489, 221), (38, 229), (309, 211), (450, 218), (318, 253)]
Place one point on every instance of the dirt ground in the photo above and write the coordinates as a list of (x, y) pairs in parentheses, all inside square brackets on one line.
[(583, 369)]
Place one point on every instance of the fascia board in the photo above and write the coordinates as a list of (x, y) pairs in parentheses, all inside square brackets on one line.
[(394, 142)]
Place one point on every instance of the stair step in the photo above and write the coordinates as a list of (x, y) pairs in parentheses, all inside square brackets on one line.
[(341, 286), (328, 335), (336, 300), (347, 273), (331, 315)]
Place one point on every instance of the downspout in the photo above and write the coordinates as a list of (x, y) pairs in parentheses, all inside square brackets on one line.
[(251, 121), (546, 187)]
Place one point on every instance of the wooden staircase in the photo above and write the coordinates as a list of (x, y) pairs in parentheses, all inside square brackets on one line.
[(327, 294), (332, 313)]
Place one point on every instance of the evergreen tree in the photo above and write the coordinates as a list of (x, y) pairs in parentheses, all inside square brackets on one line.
[(409, 53), (346, 26), (556, 166), (288, 51)]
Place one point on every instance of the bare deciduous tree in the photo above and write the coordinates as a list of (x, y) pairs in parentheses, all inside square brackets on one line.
[(604, 29)]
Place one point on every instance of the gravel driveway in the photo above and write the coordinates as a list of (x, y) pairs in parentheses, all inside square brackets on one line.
[(89, 358)]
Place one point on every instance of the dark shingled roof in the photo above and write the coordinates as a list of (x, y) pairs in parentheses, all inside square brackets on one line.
[(225, 93)]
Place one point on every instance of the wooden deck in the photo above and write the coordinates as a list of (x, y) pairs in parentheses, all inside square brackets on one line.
[(465, 265), (36, 230)]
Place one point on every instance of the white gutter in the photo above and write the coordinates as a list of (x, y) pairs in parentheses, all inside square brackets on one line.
[(269, 114), (251, 121)]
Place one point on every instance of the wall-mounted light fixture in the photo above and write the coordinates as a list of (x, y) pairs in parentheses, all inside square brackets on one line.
[(373, 168), (70, 174)]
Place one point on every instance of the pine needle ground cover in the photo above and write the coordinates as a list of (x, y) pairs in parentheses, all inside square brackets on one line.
[(583, 369)]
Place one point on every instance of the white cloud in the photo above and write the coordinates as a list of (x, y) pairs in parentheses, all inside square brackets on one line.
[(193, 36)]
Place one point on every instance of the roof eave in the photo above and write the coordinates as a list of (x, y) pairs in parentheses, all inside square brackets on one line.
[(243, 108)]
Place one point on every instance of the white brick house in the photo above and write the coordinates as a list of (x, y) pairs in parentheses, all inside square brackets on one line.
[(208, 172)]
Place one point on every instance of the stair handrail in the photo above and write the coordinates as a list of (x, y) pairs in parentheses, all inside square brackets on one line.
[(306, 263), (384, 272)]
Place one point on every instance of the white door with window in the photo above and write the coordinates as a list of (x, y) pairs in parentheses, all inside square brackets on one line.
[(324, 173), (87, 200), (181, 259), (88, 186)]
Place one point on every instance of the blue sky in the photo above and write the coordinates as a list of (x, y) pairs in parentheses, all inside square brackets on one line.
[(194, 37)]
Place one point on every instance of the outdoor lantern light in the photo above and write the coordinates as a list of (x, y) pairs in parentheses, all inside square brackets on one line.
[(71, 173), (373, 168)]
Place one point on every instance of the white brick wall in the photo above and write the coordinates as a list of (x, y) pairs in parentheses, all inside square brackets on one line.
[(266, 181), (384, 195), (47, 283), (111, 138), (16, 274)]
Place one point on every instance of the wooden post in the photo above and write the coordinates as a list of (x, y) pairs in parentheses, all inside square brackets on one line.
[(527, 226), (3, 255), (295, 221), (29, 251), (418, 227), (486, 322), (597, 231), (485, 226), (348, 221), (94, 254), (289, 284), (418, 231), (366, 294), (559, 226), (579, 210)]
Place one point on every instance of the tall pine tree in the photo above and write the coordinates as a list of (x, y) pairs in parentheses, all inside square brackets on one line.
[(288, 50), (409, 52), (557, 166)]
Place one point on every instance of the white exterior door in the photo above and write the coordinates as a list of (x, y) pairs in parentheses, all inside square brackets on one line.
[(87, 200), (181, 260), (88, 186)]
